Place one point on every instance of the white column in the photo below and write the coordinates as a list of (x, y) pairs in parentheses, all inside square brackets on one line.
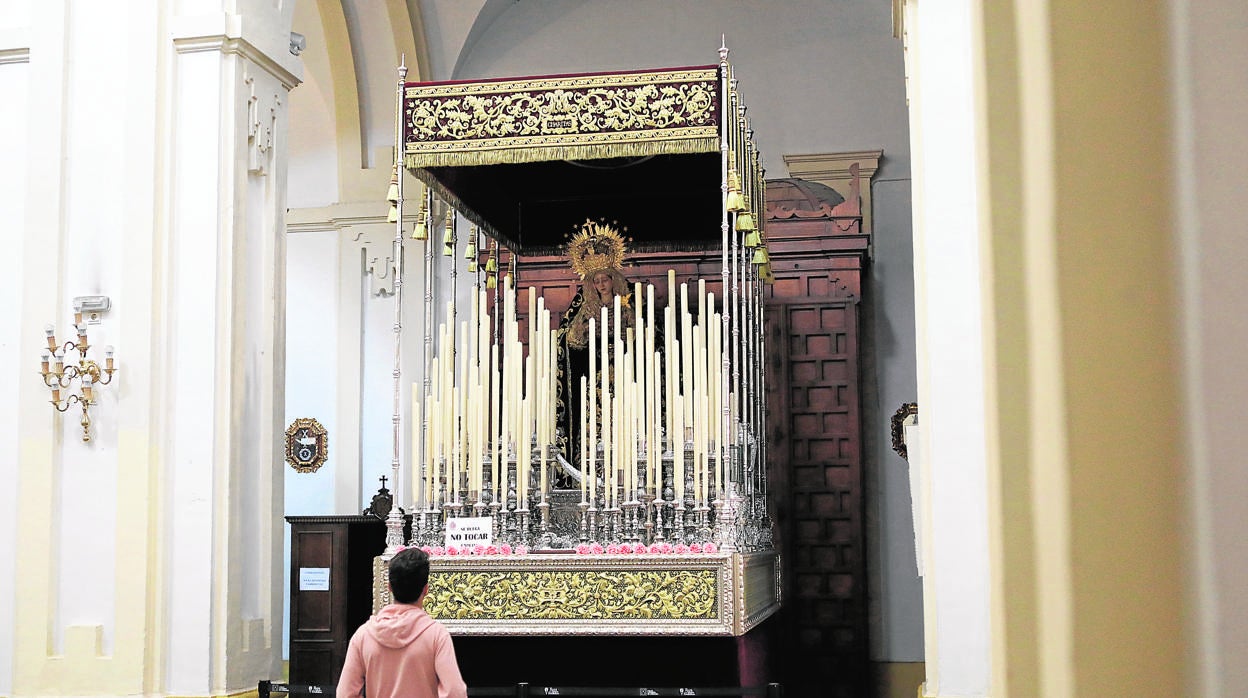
[(1210, 40), (147, 160), (226, 313), (949, 286), (15, 346)]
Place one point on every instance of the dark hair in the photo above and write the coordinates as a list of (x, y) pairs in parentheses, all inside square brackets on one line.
[(409, 573)]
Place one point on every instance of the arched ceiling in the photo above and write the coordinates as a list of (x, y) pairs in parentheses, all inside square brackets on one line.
[(342, 128)]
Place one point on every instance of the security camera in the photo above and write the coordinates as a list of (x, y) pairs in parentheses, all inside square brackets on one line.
[(298, 42)]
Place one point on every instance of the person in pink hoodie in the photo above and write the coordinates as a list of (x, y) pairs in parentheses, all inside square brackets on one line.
[(401, 652)]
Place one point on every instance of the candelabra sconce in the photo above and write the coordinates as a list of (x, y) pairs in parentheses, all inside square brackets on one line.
[(78, 380)]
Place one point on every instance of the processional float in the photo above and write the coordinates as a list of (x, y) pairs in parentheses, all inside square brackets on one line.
[(632, 499)]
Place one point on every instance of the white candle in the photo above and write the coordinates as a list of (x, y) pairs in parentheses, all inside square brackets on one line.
[(686, 354), (418, 474), (701, 303), (605, 388), (539, 365), (461, 418), (431, 463), (543, 393), (525, 447), (624, 419), (592, 410), (669, 382), (617, 458), (698, 420), (635, 393), (716, 404), (652, 424), (678, 448), (586, 470), (495, 392), (652, 405), (446, 416), (531, 320)]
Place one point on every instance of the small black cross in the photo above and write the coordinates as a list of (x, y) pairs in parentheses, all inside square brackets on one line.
[(383, 482)]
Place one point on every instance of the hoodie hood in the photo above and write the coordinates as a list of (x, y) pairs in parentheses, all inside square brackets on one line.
[(397, 625)]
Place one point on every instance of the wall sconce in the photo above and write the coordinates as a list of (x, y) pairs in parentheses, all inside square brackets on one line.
[(87, 373)]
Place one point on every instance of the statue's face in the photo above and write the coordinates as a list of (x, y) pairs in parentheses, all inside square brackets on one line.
[(602, 284)]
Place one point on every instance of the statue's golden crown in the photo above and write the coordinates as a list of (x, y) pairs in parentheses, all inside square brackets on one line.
[(596, 247)]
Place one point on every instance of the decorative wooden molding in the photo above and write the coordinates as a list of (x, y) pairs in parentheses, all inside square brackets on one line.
[(240, 47), (834, 170), (262, 113)]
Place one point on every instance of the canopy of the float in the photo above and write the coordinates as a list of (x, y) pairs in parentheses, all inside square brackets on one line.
[(530, 159)]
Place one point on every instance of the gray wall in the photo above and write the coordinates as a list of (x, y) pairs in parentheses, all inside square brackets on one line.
[(818, 77)]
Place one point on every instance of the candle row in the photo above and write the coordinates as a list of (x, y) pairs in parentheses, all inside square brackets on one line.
[(644, 403)]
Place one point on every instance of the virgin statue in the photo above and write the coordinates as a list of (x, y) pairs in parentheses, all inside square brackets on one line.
[(596, 255)]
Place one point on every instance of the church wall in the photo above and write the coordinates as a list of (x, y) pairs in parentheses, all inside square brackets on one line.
[(142, 561), (15, 347), (313, 151), (74, 594), (340, 172), (888, 363), (312, 364), (949, 285)]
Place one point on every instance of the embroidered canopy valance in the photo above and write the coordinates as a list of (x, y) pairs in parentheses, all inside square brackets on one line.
[(530, 159)]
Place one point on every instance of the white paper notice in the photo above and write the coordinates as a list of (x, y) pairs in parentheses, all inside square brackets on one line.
[(313, 579), (468, 532)]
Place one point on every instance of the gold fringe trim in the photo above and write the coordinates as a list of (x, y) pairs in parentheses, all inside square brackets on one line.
[(533, 150), (449, 197)]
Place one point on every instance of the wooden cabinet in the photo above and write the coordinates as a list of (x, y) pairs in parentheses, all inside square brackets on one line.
[(819, 256), (331, 578)]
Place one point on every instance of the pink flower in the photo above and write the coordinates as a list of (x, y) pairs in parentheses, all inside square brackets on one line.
[(428, 549), (522, 550), (582, 549), (695, 548), (491, 550), (665, 548), (595, 548), (438, 550), (478, 550), (681, 549), (655, 549), (710, 548), (626, 548), (641, 549), (504, 549), (452, 550), (613, 549)]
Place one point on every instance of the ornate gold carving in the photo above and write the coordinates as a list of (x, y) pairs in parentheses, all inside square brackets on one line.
[(586, 116), (307, 445), (574, 595), (690, 595), (897, 427)]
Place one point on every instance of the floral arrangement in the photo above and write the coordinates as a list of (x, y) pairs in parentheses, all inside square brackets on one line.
[(643, 549), (479, 550), (581, 549)]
